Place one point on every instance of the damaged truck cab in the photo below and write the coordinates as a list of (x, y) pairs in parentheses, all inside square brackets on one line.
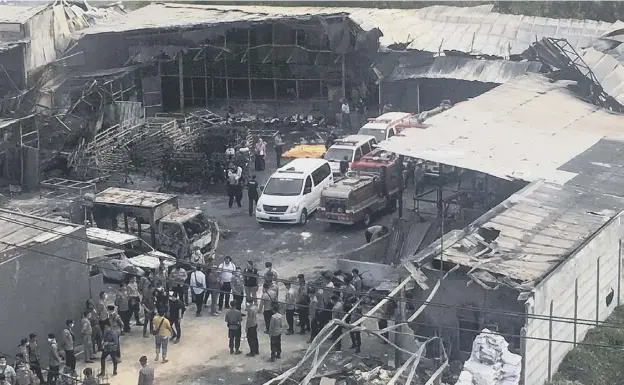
[(172, 230)]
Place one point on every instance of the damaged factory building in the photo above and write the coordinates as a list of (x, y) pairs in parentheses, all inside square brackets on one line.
[(192, 55)]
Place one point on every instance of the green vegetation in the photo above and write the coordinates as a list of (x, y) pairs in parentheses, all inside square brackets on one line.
[(594, 365)]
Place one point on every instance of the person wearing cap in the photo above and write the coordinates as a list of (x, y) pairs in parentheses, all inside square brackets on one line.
[(146, 373), (110, 340), (250, 280), (34, 356), (54, 360), (7, 370), (23, 374), (86, 331), (68, 345), (89, 378), (251, 327)]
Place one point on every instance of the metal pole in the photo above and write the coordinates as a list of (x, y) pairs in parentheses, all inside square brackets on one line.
[(249, 61), (418, 97), (398, 337), (181, 77), (401, 185)]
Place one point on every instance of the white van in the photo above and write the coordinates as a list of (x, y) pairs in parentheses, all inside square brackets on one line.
[(353, 147), (293, 192), (385, 126)]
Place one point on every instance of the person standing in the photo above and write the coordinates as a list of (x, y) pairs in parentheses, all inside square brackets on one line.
[(35, 357), (116, 324), (345, 114), (148, 303), (160, 278), (54, 360), (279, 149), (146, 373), (266, 305), (134, 298), (260, 154), (357, 280), (101, 311), (349, 289), (176, 312), (272, 277), (315, 313), (145, 280), (356, 314), (234, 175), (110, 340), (337, 314), (213, 290), (86, 331), (275, 334), (198, 285), (303, 306), (290, 300), (95, 326), (177, 276), (226, 269), (387, 311), (252, 194), (233, 320), (68, 345), (238, 288), (251, 282), (7, 370), (122, 301), (162, 334), (251, 327)]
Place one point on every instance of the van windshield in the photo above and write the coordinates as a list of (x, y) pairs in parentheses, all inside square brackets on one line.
[(338, 154), (196, 225), (283, 187), (379, 134)]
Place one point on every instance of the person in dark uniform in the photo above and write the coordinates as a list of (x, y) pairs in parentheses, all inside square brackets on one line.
[(344, 165), (252, 193)]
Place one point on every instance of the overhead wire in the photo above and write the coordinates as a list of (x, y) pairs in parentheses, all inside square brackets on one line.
[(543, 317)]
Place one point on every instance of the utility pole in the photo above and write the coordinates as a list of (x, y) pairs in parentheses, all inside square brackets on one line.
[(399, 319), (401, 185)]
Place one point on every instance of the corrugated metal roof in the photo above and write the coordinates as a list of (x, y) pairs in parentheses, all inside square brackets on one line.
[(25, 230), (136, 198), (474, 30), (539, 228), (465, 68), (110, 236), (608, 70), (525, 129), (19, 14)]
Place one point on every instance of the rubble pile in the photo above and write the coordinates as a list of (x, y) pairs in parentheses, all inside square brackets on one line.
[(491, 362)]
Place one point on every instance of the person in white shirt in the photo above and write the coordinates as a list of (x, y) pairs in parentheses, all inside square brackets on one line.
[(345, 111), (234, 187), (225, 270), (260, 154), (198, 285)]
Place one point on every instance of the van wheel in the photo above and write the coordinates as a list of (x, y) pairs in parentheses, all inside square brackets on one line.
[(368, 218), (303, 218)]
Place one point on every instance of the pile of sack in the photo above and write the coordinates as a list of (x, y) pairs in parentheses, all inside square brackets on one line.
[(491, 362)]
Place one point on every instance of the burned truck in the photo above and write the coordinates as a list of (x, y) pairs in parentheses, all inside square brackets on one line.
[(156, 219), (371, 187)]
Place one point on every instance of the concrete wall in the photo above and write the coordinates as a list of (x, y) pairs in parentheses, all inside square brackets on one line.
[(577, 289), (458, 294), (40, 292)]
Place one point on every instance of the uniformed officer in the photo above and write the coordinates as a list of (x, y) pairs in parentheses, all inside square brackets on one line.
[(252, 193)]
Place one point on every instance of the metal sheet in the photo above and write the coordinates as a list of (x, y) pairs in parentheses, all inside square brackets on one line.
[(539, 228), (512, 131), (465, 68), (19, 13)]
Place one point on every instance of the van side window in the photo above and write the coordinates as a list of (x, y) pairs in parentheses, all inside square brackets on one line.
[(308, 183), (358, 154), (320, 174), (391, 133), (366, 148)]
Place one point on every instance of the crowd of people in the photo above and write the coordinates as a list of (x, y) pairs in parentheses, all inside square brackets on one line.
[(158, 302)]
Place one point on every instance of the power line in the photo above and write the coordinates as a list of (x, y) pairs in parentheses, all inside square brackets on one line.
[(543, 317)]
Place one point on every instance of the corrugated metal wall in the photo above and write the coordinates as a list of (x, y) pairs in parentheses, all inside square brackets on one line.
[(40, 30), (577, 290)]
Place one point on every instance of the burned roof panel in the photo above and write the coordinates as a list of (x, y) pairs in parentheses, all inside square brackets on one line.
[(18, 231), (513, 131), (18, 14), (134, 198), (464, 68), (535, 230)]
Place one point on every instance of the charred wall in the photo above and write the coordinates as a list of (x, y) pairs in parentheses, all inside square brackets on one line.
[(467, 308), (13, 62)]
